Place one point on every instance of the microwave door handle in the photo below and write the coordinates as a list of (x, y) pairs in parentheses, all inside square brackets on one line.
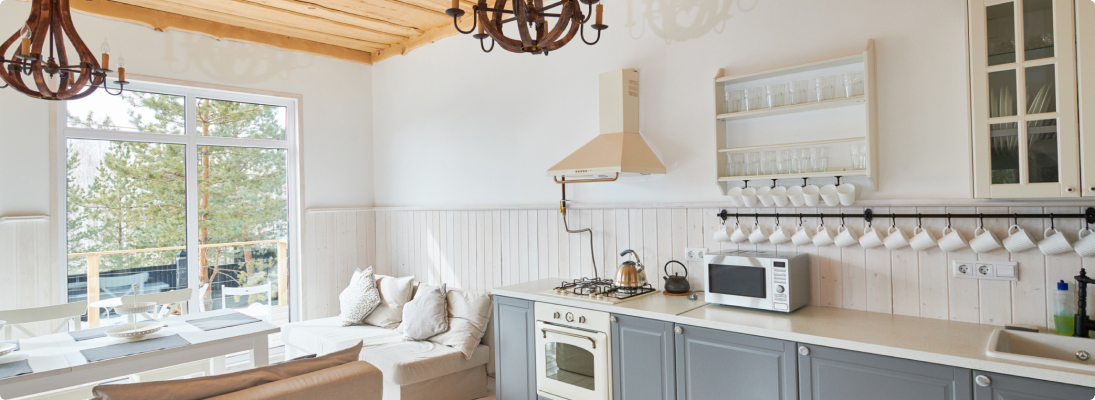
[(591, 340)]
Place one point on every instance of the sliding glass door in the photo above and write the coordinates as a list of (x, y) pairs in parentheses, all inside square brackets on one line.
[(171, 187)]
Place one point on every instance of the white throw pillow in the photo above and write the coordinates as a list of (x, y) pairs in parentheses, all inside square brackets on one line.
[(469, 313), (394, 294), (359, 298), (426, 315)]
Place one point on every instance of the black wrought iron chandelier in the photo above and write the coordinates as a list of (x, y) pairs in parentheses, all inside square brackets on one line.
[(50, 76), (537, 35)]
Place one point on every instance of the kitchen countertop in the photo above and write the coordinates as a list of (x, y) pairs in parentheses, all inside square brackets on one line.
[(959, 344)]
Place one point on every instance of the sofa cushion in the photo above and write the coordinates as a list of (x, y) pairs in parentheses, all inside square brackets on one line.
[(205, 387), (394, 294), (469, 314), (359, 298), (426, 315), (402, 362), (356, 380)]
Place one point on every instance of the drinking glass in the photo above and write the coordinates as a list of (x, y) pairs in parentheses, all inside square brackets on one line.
[(798, 91), (803, 163), (853, 84), (734, 100), (860, 156), (737, 164), (786, 164), (771, 160), (754, 98), (752, 163), (776, 94), (826, 87), (856, 154), (820, 158)]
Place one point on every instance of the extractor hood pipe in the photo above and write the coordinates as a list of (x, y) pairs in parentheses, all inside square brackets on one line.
[(563, 210)]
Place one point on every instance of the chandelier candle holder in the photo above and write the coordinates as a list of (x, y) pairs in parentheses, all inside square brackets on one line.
[(39, 66), (536, 34)]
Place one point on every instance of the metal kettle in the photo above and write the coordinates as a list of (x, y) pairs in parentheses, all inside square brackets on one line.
[(630, 274), (676, 284)]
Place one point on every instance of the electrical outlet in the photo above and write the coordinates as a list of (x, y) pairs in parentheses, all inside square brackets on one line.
[(695, 254), (989, 270)]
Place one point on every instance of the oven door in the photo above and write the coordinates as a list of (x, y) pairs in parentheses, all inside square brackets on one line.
[(571, 364), (739, 281)]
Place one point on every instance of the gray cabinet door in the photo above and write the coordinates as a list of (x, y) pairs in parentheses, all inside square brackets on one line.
[(1006, 387), (515, 349), (642, 359), (719, 365), (834, 374)]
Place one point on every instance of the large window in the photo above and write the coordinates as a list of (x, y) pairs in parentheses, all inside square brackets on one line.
[(170, 187)]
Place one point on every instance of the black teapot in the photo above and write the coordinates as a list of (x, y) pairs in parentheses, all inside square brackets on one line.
[(676, 284)]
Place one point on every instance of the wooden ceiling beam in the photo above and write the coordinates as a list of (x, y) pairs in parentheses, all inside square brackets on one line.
[(430, 36), (322, 11), (286, 18), (396, 12), (164, 21), (246, 22)]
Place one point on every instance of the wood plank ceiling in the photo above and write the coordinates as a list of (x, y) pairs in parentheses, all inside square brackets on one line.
[(363, 31)]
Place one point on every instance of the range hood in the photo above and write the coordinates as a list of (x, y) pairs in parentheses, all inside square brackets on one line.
[(619, 149)]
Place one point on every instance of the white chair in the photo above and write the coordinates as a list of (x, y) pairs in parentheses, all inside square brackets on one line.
[(167, 302), (67, 312), (249, 290)]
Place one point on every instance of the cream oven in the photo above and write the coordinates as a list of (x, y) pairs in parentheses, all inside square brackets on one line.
[(573, 353)]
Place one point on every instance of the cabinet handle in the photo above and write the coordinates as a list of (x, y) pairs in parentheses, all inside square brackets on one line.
[(1091, 189), (679, 330), (803, 350), (613, 319), (983, 381), (1070, 190)]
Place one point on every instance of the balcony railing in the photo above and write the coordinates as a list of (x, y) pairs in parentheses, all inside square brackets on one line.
[(93, 259)]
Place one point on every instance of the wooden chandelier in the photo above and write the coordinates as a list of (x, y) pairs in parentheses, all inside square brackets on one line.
[(33, 72), (536, 34)]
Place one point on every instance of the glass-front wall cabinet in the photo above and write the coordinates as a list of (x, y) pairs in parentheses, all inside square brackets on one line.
[(1023, 76)]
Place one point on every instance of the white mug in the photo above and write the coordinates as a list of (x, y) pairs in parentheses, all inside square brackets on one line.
[(735, 197), (824, 236), (802, 236), (741, 234), (952, 240), (723, 234), (779, 196), (794, 193), (748, 197), (829, 195), (846, 193), (984, 241), (871, 238), (1019, 240), (896, 238), (845, 237), (779, 235), (922, 239), (1054, 243), (811, 195), (764, 194), (1085, 246), (759, 235)]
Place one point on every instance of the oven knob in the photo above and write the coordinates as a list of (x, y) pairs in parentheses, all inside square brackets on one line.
[(779, 289), (570, 317), (556, 315), (581, 320)]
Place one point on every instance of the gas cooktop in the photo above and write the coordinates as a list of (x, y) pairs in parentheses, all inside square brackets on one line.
[(595, 289)]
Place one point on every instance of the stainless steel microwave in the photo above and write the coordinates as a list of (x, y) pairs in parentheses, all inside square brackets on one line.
[(762, 280)]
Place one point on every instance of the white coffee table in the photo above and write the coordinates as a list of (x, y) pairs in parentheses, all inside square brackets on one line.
[(57, 362)]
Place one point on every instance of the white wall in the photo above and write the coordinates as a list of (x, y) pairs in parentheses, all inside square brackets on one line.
[(336, 111), (457, 127)]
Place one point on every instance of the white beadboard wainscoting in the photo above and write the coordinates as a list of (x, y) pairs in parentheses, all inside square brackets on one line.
[(28, 278), (481, 249)]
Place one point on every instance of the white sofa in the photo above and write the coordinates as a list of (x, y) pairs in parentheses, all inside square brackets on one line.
[(412, 370)]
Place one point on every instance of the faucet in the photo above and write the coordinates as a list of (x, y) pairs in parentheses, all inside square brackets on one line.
[(1084, 324)]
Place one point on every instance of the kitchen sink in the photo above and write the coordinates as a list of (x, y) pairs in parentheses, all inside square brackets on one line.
[(1043, 348)]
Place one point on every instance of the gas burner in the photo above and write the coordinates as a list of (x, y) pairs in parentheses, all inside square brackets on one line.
[(600, 289)]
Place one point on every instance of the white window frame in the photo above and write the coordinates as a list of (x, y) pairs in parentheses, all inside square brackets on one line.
[(191, 140)]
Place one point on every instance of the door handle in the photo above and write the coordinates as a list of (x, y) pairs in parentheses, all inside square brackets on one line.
[(983, 380), (803, 350), (591, 340), (679, 330)]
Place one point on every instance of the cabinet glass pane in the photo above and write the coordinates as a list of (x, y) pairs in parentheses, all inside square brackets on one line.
[(1041, 90), (1042, 150), (1001, 33), (1005, 153), (1038, 28), (1002, 92)]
